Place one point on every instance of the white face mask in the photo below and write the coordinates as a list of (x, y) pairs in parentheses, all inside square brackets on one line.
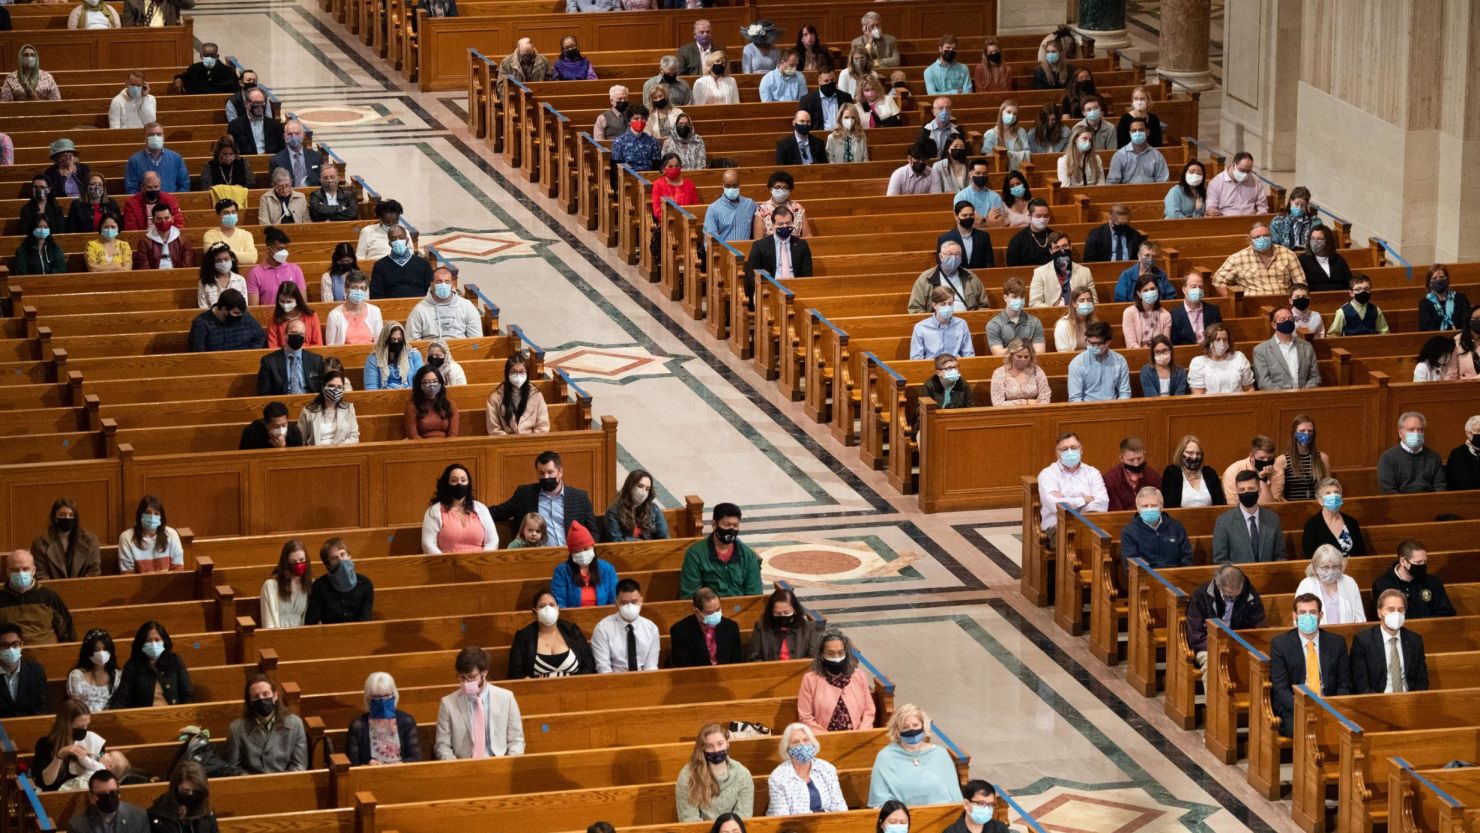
[(1194, 180), (548, 614), (848, 124), (584, 557), (1038, 223), (639, 494), (1238, 175), (630, 611), (518, 379), (1220, 348), (1394, 621), (101, 657), (289, 306)]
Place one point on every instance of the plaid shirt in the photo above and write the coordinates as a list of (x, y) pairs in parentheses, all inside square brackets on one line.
[(1246, 270)]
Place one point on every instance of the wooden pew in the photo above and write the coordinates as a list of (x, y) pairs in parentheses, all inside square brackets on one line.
[(1432, 800), (103, 48)]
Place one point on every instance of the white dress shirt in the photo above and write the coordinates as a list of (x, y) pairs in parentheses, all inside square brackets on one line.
[(1083, 484), (609, 644), (1387, 640)]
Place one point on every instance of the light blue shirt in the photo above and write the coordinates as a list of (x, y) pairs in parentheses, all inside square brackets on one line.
[(984, 199), (173, 177), (1094, 379), (552, 509), (944, 79), (777, 87), (726, 220), (1128, 166), (930, 339), (258, 133), (295, 370)]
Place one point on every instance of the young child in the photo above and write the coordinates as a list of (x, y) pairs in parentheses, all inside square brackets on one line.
[(531, 532), (1357, 317)]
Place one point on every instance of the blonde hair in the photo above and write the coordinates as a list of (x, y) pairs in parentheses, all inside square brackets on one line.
[(1078, 325), (1018, 345), (703, 788), (857, 131), (905, 712), (1002, 129), (1074, 160)]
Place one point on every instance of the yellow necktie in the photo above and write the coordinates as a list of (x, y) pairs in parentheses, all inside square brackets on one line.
[(1312, 668)]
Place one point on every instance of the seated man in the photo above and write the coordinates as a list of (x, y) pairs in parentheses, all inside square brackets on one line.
[(706, 638), (669, 68), (332, 202), (208, 75), (1308, 656), (1285, 361), (24, 690), (340, 594), (824, 103), (1069, 480), (525, 64), (965, 287), (1116, 239), (273, 430), (138, 210), (1130, 476), (1137, 162), (1236, 191), (1410, 466), (291, 370), (283, 205), (941, 333), (1146, 255), (1190, 319), (375, 242), (801, 147), (1388, 658), (1424, 591), (1098, 374), (626, 640), (1030, 246), (274, 270), (256, 131), (1248, 533), (443, 313), (781, 253), (1054, 282), (945, 385), (156, 158), (1262, 268), (478, 720), (1155, 537), (303, 163), (226, 326), (1014, 322), (25, 601), (402, 273), (162, 246), (915, 176), (976, 243), (551, 498), (1358, 317), (990, 209), (884, 49), (721, 561), (730, 216), (1261, 462), (784, 83), (1229, 597)]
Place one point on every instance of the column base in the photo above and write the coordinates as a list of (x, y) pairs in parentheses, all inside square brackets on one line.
[(1105, 39), (1198, 80)]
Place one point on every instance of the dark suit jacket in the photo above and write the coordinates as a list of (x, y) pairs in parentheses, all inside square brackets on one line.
[(1182, 327), (982, 256), (312, 161), (1097, 246), (1369, 661), (763, 256), (30, 692), (691, 59), (1287, 670), (1317, 279), (1231, 537), (255, 436), (526, 499), (788, 153), (130, 819), (812, 103), (1428, 317), (272, 373), (272, 135), (686, 643)]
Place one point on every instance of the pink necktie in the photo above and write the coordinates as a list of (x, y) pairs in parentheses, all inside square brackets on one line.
[(783, 260), (480, 729)]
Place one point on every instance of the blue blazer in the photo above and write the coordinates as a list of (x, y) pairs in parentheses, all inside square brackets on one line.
[(1182, 327), (567, 589), (1151, 386)]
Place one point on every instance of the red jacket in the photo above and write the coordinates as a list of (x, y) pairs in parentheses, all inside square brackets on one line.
[(136, 214), (1118, 486), (147, 251)]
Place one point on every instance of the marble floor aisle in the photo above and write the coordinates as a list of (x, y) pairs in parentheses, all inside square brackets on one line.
[(931, 600)]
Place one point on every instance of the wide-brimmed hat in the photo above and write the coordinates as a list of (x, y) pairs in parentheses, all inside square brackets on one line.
[(761, 30), (62, 146)]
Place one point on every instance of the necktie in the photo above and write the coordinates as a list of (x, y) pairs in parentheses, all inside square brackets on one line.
[(295, 374), (1254, 536), (783, 258), (480, 728), (1312, 668), (806, 149), (300, 174), (1395, 667), (631, 648)]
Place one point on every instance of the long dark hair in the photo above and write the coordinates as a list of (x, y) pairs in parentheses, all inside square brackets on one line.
[(437, 403), (247, 712), (84, 654), (888, 809), (136, 654), (782, 594), (1050, 124), (1201, 191), (76, 534), (443, 495), (283, 572), (1015, 178), (291, 289), (161, 538), (344, 250), (31, 241), (1432, 354), (630, 514), (818, 50), (321, 402), (515, 400), (208, 262)]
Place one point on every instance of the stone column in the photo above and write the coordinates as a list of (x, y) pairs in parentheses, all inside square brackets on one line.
[(1184, 43), (1104, 20)]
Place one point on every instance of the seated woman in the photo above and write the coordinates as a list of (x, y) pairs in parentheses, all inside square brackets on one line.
[(953, 170), (1068, 333), (635, 515), (784, 631), (911, 769), (66, 549), (37, 253), (430, 415), (1221, 369), (1020, 381), (1161, 376), (1302, 466), (516, 406), (583, 580), (154, 675), (1145, 319), (1292, 229), (87, 211), (532, 532), (94, 678), (835, 695), (383, 734), (1331, 526), (847, 142), (1189, 197), (217, 274), (1140, 109), (1341, 598), (186, 806), (439, 358), (712, 785), (226, 167), (391, 364), (152, 545), (549, 646), (894, 817), (1434, 359), (803, 782), (879, 106), (1080, 165), (355, 320), (290, 306), (456, 521), (327, 419), (1050, 134), (284, 595), (1189, 481), (69, 751), (334, 282), (1008, 135), (267, 737), (715, 86), (1016, 195), (106, 253)]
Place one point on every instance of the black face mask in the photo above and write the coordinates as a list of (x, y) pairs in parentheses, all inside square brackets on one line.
[(548, 484), (834, 666), (1261, 465), (1362, 297), (917, 166), (620, 106), (572, 54), (1418, 572), (107, 802), (959, 154), (829, 90), (966, 222), (343, 266), (394, 347), (979, 181), (949, 56), (994, 57), (1475, 324), (436, 361), (189, 801), (1062, 259), (65, 524), (900, 85), (669, 79), (79, 735), (1248, 499), (1192, 463), (802, 129), (458, 491), (295, 341), (660, 104), (1136, 469), (1301, 304), (684, 130), (783, 621), (264, 707), (151, 196), (726, 536), (720, 69)]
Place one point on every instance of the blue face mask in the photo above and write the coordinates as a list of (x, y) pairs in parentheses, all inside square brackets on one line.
[(22, 581), (1413, 439), (802, 753), (1149, 296), (399, 247), (210, 63), (1307, 623), (109, 233), (344, 578), (1019, 191), (733, 193), (896, 828), (1194, 295), (1262, 243), (1331, 501), (1138, 137), (1296, 211), (1152, 517), (712, 620), (944, 116), (228, 220), (951, 376), (980, 814), (1015, 304), (443, 291), (11, 656), (382, 708), (150, 521), (357, 296), (154, 650), (41, 233), (911, 737), (1052, 57), (1302, 437), (1069, 458)]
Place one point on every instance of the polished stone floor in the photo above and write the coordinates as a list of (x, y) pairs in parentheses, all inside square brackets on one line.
[(931, 600)]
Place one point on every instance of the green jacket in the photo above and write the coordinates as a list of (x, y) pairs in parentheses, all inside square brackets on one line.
[(702, 568)]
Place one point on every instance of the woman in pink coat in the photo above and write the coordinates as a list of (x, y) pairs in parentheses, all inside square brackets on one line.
[(835, 694)]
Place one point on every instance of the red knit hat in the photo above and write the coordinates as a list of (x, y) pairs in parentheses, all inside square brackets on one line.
[(577, 538)]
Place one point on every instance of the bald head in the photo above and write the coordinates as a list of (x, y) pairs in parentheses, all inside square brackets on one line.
[(20, 561)]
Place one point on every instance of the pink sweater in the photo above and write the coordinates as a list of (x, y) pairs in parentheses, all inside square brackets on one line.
[(818, 698)]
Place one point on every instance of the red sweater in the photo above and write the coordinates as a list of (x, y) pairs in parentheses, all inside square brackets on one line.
[(136, 214), (684, 194)]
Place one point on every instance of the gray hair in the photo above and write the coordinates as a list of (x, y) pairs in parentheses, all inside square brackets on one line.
[(1472, 425), (380, 684), (850, 662), (1324, 554), (616, 90), (786, 737), (874, 16), (669, 62), (281, 175), (1328, 483), (948, 244), (1226, 575), (1150, 491), (1407, 415)]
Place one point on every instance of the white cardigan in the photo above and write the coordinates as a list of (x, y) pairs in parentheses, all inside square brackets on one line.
[(431, 527), (338, 326), (1348, 608), (277, 613)]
